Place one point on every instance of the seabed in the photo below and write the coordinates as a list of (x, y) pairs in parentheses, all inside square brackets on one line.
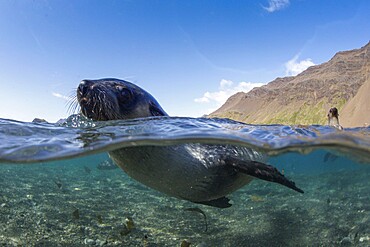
[(79, 205)]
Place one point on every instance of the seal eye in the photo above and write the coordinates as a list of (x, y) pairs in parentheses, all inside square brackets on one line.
[(125, 94)]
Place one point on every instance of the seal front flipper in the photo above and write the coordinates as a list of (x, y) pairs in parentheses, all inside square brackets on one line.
[(261, 171), (222, 202)]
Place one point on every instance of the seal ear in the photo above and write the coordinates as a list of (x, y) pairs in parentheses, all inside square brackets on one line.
[(155, 110)]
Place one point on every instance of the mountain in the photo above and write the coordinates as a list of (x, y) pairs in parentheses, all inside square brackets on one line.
[(342, 82)]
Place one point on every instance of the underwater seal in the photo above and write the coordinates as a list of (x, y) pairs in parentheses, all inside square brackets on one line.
[(199, 173)]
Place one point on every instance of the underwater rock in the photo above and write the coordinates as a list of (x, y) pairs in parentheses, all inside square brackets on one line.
[(99, 242), (185, 243), (89, 241), (99, 219), (76, 214), (130, 223), (124, 231), (127, 227), (346, 241), (363, 239)]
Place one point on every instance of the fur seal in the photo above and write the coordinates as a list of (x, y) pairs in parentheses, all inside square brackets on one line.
[(333, 118), (199, 173)]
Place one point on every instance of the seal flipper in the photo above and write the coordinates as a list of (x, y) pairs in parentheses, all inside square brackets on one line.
[(261, 171), (222, 202)]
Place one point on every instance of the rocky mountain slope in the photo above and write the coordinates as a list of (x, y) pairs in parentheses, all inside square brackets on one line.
[(342, 82)]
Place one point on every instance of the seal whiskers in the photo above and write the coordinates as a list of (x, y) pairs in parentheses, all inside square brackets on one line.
[(72, 104)]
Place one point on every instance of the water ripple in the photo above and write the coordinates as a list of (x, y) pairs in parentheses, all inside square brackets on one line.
[(78, 136)]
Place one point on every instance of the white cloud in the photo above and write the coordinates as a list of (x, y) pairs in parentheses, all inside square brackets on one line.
[(224, 84), (58, 95), (275, 5), (294, 67), (226, 89)]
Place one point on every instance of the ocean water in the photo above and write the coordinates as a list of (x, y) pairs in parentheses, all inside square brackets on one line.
[(58, 186)]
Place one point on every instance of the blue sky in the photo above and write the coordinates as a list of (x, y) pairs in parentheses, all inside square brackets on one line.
[(190, 55)]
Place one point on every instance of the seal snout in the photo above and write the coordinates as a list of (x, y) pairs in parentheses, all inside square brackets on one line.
[(84, 90)]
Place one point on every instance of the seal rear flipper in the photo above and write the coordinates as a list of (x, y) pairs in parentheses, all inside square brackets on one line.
[(261, 171), (222, 202)]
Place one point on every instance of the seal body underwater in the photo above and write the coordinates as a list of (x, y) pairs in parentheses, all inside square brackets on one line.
[(199, 173)]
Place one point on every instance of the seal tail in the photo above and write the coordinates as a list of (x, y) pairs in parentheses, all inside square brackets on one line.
[(261, 171)]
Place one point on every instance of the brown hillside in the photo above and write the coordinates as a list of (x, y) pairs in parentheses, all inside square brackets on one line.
[(342, 82)]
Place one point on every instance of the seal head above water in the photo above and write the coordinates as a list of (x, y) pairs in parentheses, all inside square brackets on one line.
[(199, 173), (112, 99), (333, 118)]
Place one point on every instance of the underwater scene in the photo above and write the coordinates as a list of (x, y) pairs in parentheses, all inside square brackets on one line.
[(59, 187)]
